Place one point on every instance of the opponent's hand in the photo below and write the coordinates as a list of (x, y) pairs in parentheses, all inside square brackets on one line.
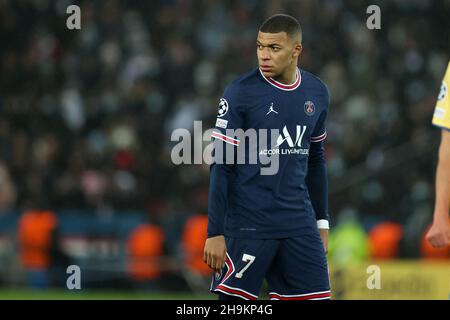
[(324, 236), (215, 253), (439, 233)]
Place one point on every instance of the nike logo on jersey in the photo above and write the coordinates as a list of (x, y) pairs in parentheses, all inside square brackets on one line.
[(271, 109)]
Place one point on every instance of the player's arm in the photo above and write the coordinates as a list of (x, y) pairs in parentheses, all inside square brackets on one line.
[(215, 249), (316, 179), (317, 183), (229, 118), (439, 233)]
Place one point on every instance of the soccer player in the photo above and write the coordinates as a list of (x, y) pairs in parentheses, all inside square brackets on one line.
[(272, 227), (439, 233)]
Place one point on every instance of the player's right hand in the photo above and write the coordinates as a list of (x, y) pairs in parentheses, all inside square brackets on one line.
[(215, 253), (439, 234)]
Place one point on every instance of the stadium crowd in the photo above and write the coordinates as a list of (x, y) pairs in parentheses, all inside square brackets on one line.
[(86, 115)]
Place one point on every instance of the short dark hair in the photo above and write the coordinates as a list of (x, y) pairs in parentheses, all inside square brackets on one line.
[(282, 22)]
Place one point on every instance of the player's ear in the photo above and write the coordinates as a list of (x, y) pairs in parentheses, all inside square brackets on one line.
[(297, 50)]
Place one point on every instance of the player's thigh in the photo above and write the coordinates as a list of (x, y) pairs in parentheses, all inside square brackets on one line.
[(247, 263), (300, 269)]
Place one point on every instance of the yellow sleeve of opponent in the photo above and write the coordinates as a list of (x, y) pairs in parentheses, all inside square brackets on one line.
[(441, 116)]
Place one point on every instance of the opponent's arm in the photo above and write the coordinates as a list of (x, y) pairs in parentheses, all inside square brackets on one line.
[(439, 233)]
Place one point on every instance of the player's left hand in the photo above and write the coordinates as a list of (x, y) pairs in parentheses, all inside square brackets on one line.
[(215, 252), (324, 236)]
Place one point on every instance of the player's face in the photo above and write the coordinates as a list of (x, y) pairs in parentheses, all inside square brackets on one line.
[(276, 52)]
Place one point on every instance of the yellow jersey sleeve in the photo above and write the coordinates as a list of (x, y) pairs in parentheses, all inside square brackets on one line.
[(441, 116)]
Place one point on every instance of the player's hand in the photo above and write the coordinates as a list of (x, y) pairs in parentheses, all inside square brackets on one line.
[(439, 233), (324, 236), (215, 253)]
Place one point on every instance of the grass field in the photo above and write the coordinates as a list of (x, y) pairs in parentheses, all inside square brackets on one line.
[(54, 294)]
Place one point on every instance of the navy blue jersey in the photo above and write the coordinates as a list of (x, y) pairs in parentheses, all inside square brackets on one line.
[(244, 202)]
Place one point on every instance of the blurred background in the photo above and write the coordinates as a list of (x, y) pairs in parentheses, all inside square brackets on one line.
[(86, 117)]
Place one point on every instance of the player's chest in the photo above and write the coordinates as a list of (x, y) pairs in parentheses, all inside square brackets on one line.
[(276, 112)]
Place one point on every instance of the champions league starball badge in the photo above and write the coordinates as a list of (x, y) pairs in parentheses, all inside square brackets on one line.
[(223, 107)]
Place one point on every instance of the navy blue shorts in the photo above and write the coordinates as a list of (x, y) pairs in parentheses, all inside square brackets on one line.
[(295, 269)]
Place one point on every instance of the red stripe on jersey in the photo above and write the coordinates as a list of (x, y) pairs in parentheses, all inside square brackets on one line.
[(225, 138), (236, 291), (319, 138), (301, 297), (230, 267), (289, 87)]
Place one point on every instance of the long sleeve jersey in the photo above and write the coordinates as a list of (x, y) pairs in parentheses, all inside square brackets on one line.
[(261, 118)]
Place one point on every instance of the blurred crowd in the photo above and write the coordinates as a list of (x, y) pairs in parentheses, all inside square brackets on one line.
[(86, 115)]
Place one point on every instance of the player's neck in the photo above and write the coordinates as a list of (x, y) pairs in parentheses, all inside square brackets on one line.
[(289, 76)]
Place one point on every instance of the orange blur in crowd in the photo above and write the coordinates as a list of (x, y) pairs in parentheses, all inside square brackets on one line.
[(35, 238), (384, 240), (193, 241), (145, 248)]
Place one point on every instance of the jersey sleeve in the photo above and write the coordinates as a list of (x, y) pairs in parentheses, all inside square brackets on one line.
[(320, 131), (229, 119), (316, 178), (441, 116)]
